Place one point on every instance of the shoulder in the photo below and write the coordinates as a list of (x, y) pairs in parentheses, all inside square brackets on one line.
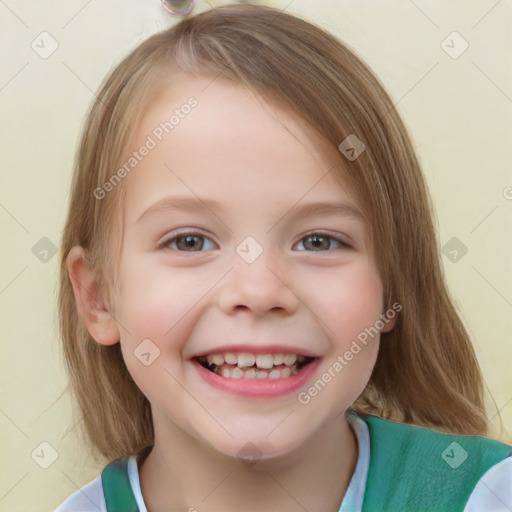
[(455, 449), (89, 498), (412, 465)]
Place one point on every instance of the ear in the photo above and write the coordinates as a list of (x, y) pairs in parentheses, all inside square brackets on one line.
[(390, 321), (91, 309), (389, 325)]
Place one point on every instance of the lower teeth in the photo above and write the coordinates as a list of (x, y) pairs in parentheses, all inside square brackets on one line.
[(255, 373)]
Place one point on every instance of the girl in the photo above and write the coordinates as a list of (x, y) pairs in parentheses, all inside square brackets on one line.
[(252, 306)]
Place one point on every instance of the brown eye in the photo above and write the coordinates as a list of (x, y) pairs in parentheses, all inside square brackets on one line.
[(319, 242), (189, 242)]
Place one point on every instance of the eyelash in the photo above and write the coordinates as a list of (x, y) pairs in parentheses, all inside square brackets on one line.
[(342, 244)]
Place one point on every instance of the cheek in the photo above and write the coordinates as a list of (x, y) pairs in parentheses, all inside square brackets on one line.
[(351, 302), (155, 299)]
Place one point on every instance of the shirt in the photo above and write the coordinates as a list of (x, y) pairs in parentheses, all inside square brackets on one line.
[(492, 493)]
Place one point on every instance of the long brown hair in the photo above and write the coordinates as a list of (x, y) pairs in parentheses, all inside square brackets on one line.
[(426, 372)]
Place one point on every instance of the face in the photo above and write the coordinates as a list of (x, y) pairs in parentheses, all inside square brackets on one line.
[(246, 274)]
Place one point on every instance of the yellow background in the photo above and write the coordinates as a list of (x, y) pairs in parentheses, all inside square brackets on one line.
[(458, 112)]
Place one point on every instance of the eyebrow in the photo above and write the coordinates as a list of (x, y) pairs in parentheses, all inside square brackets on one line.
[(178, 203), (328, 208), (324, 208)]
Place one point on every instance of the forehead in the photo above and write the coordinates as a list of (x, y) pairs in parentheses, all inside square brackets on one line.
[(213, 138)]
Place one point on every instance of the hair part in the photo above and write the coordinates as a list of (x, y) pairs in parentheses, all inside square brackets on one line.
[(426, 371)]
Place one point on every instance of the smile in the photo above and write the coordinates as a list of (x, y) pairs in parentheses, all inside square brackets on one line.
[(245, 365)]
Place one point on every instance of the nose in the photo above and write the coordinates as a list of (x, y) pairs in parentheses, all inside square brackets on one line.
[(259, 287)]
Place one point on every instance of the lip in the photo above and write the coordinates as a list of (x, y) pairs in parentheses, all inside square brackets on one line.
[(258, 349), (264, 388)]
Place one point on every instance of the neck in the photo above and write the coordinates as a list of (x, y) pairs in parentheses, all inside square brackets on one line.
[(181, 474)]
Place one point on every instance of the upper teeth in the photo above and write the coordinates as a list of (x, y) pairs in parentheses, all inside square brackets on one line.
[(245, 359)]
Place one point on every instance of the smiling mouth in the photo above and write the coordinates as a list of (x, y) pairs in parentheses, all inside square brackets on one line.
[(245, 365)]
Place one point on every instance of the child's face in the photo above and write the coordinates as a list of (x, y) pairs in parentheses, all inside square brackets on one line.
[(214, 293)]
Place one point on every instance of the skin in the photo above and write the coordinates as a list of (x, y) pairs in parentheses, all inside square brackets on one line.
[(261, 164)]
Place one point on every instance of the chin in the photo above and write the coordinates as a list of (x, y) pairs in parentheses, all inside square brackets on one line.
[(260, 451)]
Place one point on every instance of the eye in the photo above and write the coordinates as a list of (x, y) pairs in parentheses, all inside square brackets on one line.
[(189, 242), (319, 242)]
